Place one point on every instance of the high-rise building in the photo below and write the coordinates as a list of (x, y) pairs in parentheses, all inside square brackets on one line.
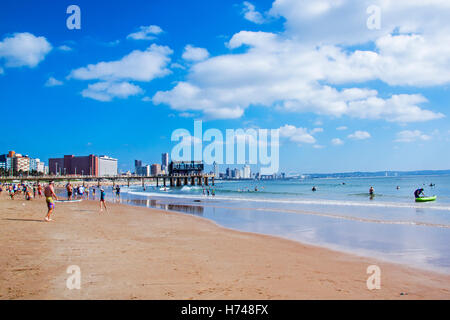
[(165, 161), (21, 164), (236, 173), (143, 171), (216, 169), (107, 166), (86, 165), (137, 163), (246, 174), (228, 173), (156, 169)]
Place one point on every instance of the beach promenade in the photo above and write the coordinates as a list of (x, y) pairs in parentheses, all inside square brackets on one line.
[(140, 253)]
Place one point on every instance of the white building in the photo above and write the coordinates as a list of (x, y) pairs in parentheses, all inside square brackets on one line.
[(246, 174), (107, 166), (216, 169)]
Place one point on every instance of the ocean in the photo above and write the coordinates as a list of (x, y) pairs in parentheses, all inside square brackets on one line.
[(340, 215)]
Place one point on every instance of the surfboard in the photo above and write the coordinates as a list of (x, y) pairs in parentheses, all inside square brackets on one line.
[(68, 201), (426, 199)]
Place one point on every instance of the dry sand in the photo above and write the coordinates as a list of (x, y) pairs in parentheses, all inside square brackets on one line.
[(140, 253)]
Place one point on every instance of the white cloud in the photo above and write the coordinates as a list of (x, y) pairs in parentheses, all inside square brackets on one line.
[(337, 142), (65, 48), (251, 14), (106, 91), (195, 54), (146, 99), (24, 50), (342, 128), (138, 65), (345, 21), (283, 72), (301, 69), (146, 33), (52, 82), (176, 65), (359, 135), (411, 136), (298, 135)]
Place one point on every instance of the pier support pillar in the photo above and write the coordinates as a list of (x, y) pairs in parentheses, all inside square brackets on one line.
[(206, 181), (171, 182), (192, 181), (164, 182), (157, 182), (128, 182), (213, 181), (178, 182), (185, 181)]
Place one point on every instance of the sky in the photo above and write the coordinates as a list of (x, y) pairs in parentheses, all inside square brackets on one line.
[(351, 85)]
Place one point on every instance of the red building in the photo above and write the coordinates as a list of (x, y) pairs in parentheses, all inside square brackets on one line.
[(71, 165)]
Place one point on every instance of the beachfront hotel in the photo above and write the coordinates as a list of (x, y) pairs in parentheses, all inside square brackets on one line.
[(91, 165)]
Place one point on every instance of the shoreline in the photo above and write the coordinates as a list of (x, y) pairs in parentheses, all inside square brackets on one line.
[(143, 253)]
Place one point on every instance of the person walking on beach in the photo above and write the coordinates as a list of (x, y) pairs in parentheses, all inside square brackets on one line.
[(50, 197), (39, 190), (69, 191), (102, 200)]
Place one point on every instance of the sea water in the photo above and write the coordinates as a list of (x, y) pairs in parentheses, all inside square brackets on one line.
[(340, 215)]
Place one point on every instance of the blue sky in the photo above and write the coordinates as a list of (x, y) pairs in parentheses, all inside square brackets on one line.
[(293, 65)]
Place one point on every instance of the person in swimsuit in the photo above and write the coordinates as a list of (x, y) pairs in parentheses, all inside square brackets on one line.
[(50, 197), (39, 190), (69, 191), (102, 200)]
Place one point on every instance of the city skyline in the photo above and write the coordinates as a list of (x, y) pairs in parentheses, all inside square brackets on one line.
[(345, 97)]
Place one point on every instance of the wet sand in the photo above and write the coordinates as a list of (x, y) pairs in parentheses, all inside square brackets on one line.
[(141, 253)]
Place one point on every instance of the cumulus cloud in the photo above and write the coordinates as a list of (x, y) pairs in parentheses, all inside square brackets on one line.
[(411, 136), (345, 21), (250, 13), (137, 65), (107, 91), (298, 135), (281, 72), (308, 68), (341, 128), (359, 135), (24, 50), (337, 142), (65, 48), (52, 82), (192, 53), (146, 33)]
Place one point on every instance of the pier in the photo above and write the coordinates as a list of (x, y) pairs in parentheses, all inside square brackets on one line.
[(160, 180)]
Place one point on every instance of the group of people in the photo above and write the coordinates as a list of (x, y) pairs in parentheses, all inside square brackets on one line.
[(209, 191), (29, 191)]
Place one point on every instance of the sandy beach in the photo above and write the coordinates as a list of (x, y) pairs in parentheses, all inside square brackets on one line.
[(141, 253)]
